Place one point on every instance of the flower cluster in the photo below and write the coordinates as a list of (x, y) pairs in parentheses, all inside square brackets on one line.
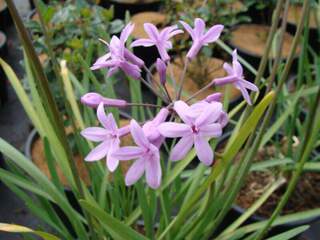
[(195, 125)]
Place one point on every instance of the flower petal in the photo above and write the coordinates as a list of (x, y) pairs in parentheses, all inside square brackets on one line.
[(133, 58), (244, 93), (151, 30), (237, 68), (181, 149), (153, 171), (224, 80), (102, 117), (188, 28), (95, 134), (135, 172), (126, 32), (138, 134), (113, 162), (199, 27), (213, 34), (173, 130), (203, 149), (127, 153), (98, 152), (211, 130), (182, 109), (228, 69), (142, 42), (131, 69), (209, 115), (249, 85)]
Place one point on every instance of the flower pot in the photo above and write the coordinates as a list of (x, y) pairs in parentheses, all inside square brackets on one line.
[(5, 19), (191, 85), (294, 16), (148, 54), (251, 39), (132, 6), (306, 195), (3, 78)]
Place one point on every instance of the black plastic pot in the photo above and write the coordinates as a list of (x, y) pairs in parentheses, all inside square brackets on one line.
[(5, 18), (120, 7), (3, 78)]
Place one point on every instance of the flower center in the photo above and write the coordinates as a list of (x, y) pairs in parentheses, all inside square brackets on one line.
[(194, 129)]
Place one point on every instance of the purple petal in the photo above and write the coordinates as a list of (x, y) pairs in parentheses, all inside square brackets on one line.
[(213, 34), (98, 152), (165, 33), (131, 69), (182, 148), (163, 53), (113, 162), (95, 134), (182, 109), (127, 153), (235, 55), (215, 97), (124, 131), (199, 27), (188, 28), (153, 172), (138, 135), (228, 69), (244, 93), (173, 33), (102, 117), (91, 99), (237, 68), (133, 58), (126, 32), (194, 50), (173, 130), (203, 149), (135, 172), (209, 115), (249, 85), (211, 130), (111, 124), (224, 80), (112, 71), (161, 116), (223, 119), (151, 30), (143, 42)]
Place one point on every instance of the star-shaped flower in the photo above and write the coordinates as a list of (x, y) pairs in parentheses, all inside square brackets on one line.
[(160, 40), (120, 57), (235, 76), (194, 131), (200, 37), (146, 155), (109, 136)]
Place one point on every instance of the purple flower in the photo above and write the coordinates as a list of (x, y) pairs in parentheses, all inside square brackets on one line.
[(108, 136), (120, 57), (235, 76), (162, 70), (94, 99), (215, 97), (160, 40), (150, 128), (194, 131), (147, 158), (199, 37)]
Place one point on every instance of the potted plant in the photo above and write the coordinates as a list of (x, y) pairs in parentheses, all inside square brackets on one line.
[(112, 208)]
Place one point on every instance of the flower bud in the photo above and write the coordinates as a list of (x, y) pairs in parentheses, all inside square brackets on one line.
[(94, 99), (215, 97), (162, 70)]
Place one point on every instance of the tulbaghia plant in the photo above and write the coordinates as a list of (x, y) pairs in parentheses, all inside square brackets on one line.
[(193, 125), (157, 175)]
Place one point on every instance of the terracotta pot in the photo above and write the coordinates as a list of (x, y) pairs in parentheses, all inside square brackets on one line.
[(191, 85), (251, 39), (133, 6)]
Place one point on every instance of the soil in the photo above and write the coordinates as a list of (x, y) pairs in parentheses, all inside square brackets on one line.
[(38, 158), (252, 38), (305, 197), (139, 19), (197, 78), (294, 16)]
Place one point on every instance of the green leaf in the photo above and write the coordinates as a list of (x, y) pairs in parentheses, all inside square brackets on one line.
[(12, 228), (117, 229), (289, 234)]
